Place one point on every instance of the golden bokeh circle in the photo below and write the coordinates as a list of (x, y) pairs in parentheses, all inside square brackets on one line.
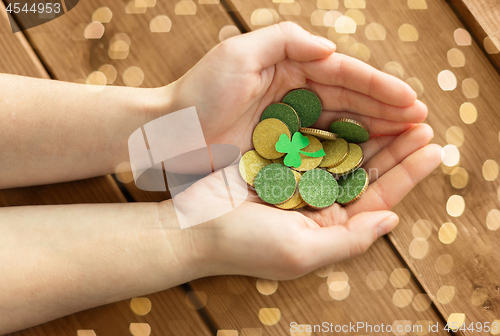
[(459, 178), (422, 229), (408, 33), (94, 30), (417, 4), (394, 68), (456, 319), (402, 297), (133, 76), (456, 58), (375, 32), (123, 172), (357, 16), (102, 14), (489, 46), (445, 294), (450, 155), (337, 281), (331, 17), (327, 4), (185, 7), (417, 86), (418, 248), (447, 233), (462, 37), (447, 80), (345, 25), (455, 136), (400, 277), (421, 302), (355, 4), (468, 113), (360, 51), (493, 220), (140, 329), (490, 170), (160, 24), (266, 287), (264, 17), (470, 88), (444, 264), (109, 71), (269, 316), (228, 31), (376, 280), (140, 306), (96, 78), (339, 294)]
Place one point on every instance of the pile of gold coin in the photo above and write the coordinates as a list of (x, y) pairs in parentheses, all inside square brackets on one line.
[(293, 165)]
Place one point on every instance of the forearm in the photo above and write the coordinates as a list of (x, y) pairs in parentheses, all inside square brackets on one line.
[(56, 131), (56, 260)]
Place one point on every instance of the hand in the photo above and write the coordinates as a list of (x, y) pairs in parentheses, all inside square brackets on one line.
[(230, 88)]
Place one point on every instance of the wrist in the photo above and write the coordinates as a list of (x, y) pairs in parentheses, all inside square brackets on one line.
[(184, 247)]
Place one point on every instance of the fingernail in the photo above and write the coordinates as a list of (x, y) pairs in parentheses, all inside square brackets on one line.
[(387, 224), (324, 42)]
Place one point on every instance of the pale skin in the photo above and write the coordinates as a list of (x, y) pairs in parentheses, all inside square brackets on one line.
[(63, 259)]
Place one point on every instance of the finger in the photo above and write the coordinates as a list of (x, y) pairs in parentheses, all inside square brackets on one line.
[(373, 146), (267, 46), (375, 125), (342, 70), (405, 144), (330, 244), (389, 189), (338, 98)]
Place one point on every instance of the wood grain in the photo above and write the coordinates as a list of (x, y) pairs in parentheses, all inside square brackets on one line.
[(475, 26), (235, 302), (486, 13), (474, 274)]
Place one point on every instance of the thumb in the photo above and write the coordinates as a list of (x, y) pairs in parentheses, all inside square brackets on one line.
[(338, 242), (267, 46)]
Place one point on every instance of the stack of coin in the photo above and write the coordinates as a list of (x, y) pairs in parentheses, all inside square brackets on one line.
[(317, 182)]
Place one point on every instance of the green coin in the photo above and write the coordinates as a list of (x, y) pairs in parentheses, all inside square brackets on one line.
[(275, 183), (284, 113), (318, 188), (307, 105), (350, 130), (352, 186)]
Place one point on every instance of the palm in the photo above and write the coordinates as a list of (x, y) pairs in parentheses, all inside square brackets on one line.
[(230, 90)]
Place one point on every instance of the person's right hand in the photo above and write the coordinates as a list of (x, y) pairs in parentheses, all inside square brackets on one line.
[(231, 87)]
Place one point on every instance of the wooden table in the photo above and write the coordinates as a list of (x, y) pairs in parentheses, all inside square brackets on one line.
[(440, 264)]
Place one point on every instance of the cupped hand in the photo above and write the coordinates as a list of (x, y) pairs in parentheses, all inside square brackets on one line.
[(230, 88)]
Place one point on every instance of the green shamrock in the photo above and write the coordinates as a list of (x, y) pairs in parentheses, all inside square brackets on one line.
[(293, 149)]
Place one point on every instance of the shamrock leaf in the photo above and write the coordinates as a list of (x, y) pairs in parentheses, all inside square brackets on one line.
[(293, 149)]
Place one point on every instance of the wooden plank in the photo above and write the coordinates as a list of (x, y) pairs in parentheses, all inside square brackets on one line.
[(471, 282), (167, 313), (235, 302), (170, 313), (486, 13), (478, 27), (162, 57)]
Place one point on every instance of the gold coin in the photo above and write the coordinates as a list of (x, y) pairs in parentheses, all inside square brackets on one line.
[(353, 161), (309, 163), (266, 135), (300, 206), (296, 199), (361, 192), (250, 165), (336, 152), (325, 135)]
